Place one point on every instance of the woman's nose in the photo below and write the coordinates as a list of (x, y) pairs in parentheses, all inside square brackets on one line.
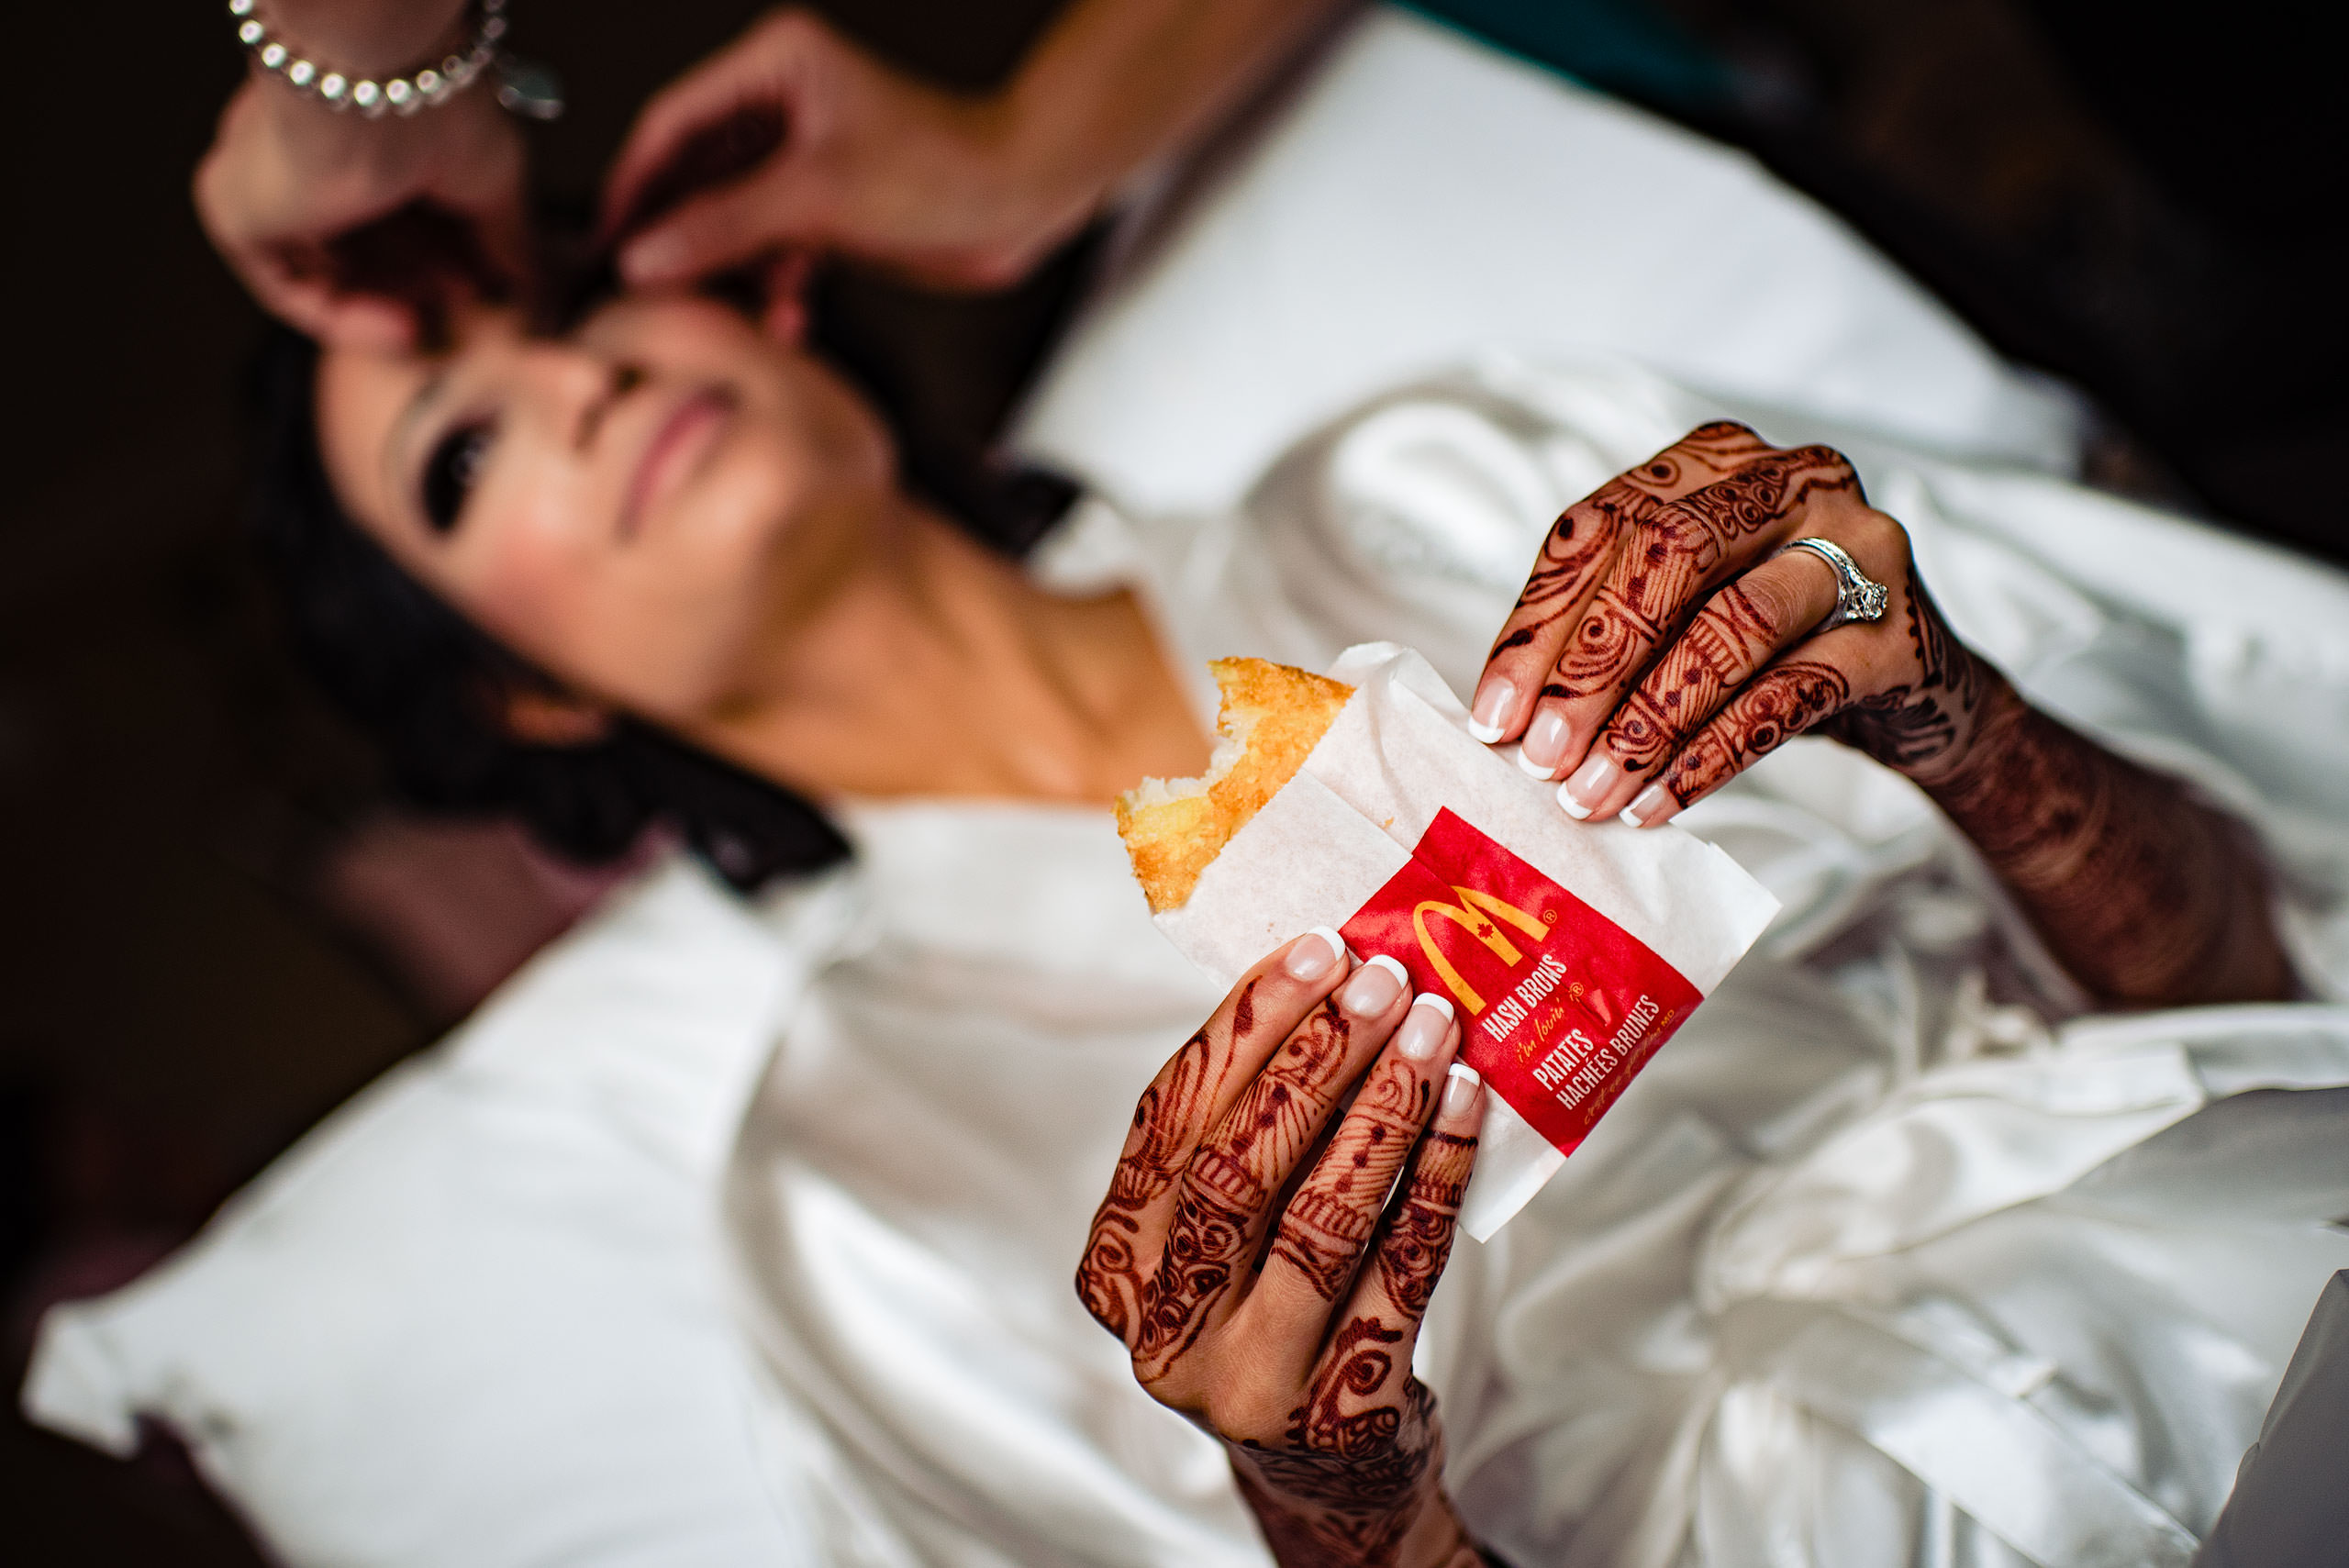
[(582, 387)]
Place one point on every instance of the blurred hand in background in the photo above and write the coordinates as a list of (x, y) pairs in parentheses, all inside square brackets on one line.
[(955, 191), (789, 143), (286, 178), (872, 162)]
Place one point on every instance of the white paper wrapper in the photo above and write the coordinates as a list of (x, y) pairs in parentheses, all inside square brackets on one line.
[(1557, 1010)]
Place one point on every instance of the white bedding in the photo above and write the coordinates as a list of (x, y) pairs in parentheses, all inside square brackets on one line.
[(481, 1315), (1424, 199)]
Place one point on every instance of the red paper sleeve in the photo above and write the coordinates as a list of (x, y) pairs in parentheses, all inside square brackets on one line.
[(1560, 1007)]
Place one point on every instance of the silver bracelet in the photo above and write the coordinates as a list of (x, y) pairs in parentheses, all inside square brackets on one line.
[(527, 90)]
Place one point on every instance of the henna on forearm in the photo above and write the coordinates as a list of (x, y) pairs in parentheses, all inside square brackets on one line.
[(1357, 1479), (2147, 897), (1423, 1532), (1370, 1499)]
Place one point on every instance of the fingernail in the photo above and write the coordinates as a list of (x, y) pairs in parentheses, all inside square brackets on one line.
[(1598, 774), (1423, 1029), (1650, 806), (1310, 956), (1461, 1087), (1374, 988), (1545, 743), (1493, 699), (648, 258)]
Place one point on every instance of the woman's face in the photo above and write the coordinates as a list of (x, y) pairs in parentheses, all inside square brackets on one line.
[(634, 508)]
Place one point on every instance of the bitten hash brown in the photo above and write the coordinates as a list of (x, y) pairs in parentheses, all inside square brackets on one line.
[(1273, 715)]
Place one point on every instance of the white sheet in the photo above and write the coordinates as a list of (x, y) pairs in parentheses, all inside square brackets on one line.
[(1425, 199)]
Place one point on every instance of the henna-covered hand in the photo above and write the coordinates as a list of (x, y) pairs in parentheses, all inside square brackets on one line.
[(1666, 640), (1663, 643), (1286, 1329)]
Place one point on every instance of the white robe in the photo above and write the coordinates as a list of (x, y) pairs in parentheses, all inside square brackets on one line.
[(1892, 1255)]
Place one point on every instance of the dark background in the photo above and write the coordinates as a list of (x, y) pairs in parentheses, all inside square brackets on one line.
[(204, 948)]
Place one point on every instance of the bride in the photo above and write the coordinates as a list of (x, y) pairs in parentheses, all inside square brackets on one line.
[(669, 530), (1809, 1289)]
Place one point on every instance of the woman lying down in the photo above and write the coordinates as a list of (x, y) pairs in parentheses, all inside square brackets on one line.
[(1816, 1289)]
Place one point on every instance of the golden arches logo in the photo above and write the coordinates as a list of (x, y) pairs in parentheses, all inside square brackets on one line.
[(1480, 926)]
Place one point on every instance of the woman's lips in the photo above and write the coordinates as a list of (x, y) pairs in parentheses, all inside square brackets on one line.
[(680, 442)]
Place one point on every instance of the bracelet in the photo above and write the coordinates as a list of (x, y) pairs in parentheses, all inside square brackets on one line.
[(428, 86)]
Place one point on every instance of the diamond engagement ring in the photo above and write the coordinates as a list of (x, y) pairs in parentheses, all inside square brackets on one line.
[(1858, 596)]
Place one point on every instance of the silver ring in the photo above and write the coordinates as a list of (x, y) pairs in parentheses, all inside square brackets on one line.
[(1858, 596)]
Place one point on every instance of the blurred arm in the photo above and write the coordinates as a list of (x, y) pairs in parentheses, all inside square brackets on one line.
[(959, 190), (1116, 84), (287, 180)]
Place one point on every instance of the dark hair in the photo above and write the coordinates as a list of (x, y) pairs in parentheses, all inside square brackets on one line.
[(424, 682)]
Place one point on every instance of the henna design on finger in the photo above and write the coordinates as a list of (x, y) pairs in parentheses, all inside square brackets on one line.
[(1782, 702), (1109, 1280), (1573, 554), (1723, 647), (1676, 553), (1418, 1239), (1612, 637), (1581, 539), (1703, 455), (1225, 1192), (1768, 490), (1584, 537), (1114, 1280), (1323, 1237), (1577, 545), (1208, 1238), (1202, 1248), (1722, 444), (1329, 1221)]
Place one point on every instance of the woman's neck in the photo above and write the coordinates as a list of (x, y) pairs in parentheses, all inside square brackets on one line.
[(933, 667)]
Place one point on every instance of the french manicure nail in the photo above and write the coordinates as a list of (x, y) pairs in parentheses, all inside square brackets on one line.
[(1374, 988), (1461, 1087), (1650, 806), (648, 258), (1493, 700), (1545, 744), (1598, 774), (1424, 1028), (1310, 956)]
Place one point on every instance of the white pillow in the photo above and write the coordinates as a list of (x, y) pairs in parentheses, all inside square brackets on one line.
[(475, 1317), (1426, 198)]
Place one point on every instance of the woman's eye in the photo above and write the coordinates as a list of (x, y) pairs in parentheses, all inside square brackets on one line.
[(450, 472)]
